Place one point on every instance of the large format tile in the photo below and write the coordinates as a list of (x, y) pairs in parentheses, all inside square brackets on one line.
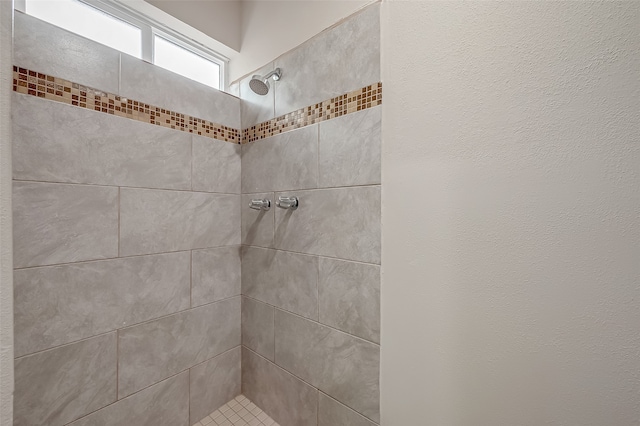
[(163, 404), (286, 280), (48, 49), (285, 161), (257, 327), (214, 383), (155, 350), (349, 297), (60, 385), (60, 304), (349, 149), (342, 222), (256, 108), (154, 85), (258, 225), (216, 165), (55, 223), (284, 397), (343, 366), (160, 221), (332, 413), (54, 142), (215, 274), (336, 61)]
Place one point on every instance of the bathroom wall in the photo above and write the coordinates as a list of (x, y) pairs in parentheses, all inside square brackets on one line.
[(6, 243), (311, 277), (126, 238), (510, 213), (273, 27), (219, 19)]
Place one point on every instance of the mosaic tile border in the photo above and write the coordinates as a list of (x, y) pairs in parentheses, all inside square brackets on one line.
[(44, 86), (57, 89), (356, 100)]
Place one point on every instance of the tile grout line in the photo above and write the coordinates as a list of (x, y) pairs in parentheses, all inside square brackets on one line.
[(130, 256), (51, 182), (309, 319), (304, 381), (320, 256), (126, 327), (119, 220)]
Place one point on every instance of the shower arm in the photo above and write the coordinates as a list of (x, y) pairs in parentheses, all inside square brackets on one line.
[(276, 74)]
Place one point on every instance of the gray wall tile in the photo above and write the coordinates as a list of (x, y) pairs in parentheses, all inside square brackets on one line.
[(163, 404), (214, 383), (256, 108), (284, 397), (154, 85), (349, 152), (338, 364), (216, 165), (54, 142), (60, 304), (332, 413), (257, 327), (286, 280), (215, 274), (159, 221), (343, 222), (285, 161), (234, 89), (258, 225), (349, 297), (60, 385), (155, 350), (46, 48), (54, 223), (336, 61)]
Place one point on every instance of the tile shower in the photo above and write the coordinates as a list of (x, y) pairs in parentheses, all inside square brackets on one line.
[(146, 290)]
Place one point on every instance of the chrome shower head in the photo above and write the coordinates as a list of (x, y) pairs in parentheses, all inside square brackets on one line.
[(260, 85)]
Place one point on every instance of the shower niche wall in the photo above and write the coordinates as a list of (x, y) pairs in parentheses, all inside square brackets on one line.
[(147, 292)]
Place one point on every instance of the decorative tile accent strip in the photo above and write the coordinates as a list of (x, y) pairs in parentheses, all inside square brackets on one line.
[(57, 89), (367, 97)]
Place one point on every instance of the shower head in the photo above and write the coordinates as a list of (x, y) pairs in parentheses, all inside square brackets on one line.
[(260, 85)]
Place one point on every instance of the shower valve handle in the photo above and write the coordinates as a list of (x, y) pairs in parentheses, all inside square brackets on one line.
[(290, 203), (260, 204)]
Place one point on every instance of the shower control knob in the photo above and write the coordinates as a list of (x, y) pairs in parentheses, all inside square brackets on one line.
[(290, 203), (257, 204)]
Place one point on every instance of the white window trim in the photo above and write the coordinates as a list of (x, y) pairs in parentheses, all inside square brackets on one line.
[(150, 28)]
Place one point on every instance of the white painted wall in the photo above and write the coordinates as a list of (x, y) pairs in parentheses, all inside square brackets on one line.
[(219, 19), (271, 28), (6, 239), (511, 214)]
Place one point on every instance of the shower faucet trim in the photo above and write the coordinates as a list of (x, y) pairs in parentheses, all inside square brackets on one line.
[(290, 203)]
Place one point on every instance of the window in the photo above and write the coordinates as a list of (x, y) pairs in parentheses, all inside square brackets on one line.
[(109, 23), (182, 61), (89, 22)]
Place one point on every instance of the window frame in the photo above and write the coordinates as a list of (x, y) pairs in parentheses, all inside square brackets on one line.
[(151, 28)]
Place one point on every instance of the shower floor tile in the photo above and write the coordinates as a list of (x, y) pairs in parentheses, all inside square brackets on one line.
[(237, 412)]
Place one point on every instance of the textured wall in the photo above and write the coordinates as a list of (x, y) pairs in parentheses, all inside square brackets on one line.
[(6, 252), (510, 213), (311, 277), (127, 246)]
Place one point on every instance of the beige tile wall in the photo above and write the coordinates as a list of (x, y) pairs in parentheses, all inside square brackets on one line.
[(129, 268), (127, 247), (311, 277)]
